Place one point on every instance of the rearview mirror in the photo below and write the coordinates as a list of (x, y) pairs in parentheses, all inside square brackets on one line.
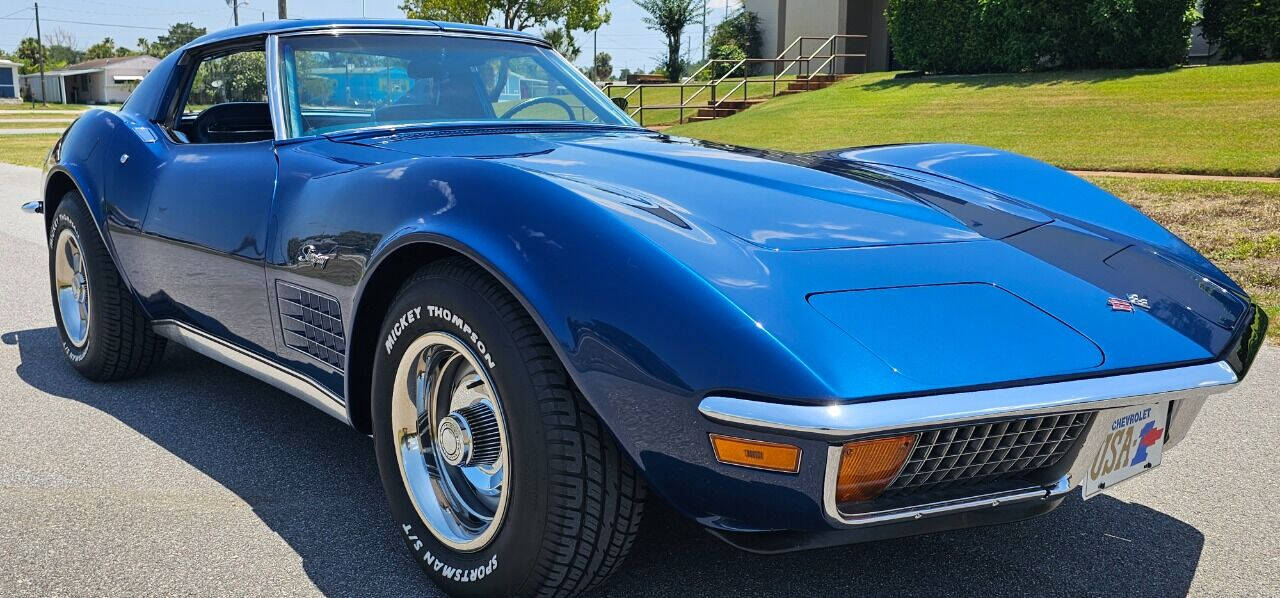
[(620, 102)]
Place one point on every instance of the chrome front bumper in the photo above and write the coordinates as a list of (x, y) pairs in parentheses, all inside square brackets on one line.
[(1184, 388)]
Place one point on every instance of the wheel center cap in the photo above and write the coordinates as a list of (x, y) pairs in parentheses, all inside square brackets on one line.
[(452, 440)]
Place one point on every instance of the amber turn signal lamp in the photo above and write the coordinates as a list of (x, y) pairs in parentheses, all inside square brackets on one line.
[(867, 467), (756, 453)]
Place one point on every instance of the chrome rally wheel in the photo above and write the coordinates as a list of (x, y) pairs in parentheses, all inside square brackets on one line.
[(71, 287), (451, 442), (501, 479)]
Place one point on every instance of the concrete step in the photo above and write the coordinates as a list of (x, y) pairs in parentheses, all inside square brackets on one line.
[(698, 119), (741, 104), (808, 85), (717, 112)]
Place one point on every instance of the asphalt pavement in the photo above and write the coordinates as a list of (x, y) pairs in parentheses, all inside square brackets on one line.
[(197, 480)]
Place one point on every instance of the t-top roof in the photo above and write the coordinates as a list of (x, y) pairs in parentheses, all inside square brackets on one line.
[(268, 27)]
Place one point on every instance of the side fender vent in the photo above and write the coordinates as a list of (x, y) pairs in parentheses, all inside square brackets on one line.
[(311, 322)]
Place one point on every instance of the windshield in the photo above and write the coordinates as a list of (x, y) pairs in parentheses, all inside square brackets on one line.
[(335, 83)]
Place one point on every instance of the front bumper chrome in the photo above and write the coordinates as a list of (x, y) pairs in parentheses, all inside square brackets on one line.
[(1184, 389), (850, 421)]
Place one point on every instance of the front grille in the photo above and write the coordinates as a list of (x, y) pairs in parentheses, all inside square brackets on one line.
[(312, 323), (977, 453)]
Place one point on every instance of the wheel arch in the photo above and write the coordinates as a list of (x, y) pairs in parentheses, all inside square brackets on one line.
[(395, 264), (60, 181)]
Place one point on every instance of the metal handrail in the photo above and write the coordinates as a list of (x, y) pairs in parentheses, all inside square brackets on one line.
[(807, 73)]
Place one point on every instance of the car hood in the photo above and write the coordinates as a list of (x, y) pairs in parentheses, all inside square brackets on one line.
[(881, 275), (772, 200)]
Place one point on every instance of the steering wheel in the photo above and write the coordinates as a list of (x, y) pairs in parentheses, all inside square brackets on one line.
[(539, 100)]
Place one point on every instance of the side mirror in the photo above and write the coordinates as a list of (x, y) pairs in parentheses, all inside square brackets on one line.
[(620, 102)]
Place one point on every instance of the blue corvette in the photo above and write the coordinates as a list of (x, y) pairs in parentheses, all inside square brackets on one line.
[(445, 236)]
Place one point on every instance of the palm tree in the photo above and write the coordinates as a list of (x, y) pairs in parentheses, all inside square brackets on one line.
[(670, 17)]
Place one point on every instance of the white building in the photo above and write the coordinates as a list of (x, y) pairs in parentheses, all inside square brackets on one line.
[(782, 21), (101, 81), (9, 82)]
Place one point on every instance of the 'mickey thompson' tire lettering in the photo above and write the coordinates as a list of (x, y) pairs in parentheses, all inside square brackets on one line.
[(414, 314)]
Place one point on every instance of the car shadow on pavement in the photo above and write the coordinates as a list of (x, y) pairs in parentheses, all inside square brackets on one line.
[(313, 481)]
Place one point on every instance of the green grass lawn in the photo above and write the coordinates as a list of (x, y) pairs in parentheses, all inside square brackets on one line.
[(1200, 120), (53, 106), (5, 124), (1234, 224), (667, 96), (25, 150)]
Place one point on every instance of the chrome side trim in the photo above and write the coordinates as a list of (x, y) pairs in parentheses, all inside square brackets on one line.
[(946, 507), (230, 355), (275, 89), (33, 207), (845, 421)]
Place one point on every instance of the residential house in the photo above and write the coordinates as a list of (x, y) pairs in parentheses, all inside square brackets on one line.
[(9, 82), (100, 81)]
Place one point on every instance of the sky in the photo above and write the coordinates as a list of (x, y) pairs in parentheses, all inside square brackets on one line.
[(625, 38)]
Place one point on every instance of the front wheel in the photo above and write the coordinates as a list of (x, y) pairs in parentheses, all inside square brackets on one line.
[(502, 479), (103, 330)]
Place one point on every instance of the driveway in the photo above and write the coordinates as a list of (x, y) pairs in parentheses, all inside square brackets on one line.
[(199, 480)]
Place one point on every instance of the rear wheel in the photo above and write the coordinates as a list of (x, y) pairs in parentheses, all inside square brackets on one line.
[(501, 478), (103, 330)]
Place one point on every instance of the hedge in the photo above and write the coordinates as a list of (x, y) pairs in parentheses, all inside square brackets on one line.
[(972, 36), (1248, 29)]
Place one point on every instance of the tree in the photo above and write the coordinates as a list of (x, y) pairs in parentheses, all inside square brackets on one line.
[(57, 56), (603, 67), (179, 34), (60, 37), (741, 30), (458, 11), (562, 41), (144, 45), (28, 53), (103, 49), (576, 15), (670, 17), (726, 52)]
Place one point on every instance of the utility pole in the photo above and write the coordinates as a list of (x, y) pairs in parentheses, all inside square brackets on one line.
[(704, 30), (40, 44), (595, 52), (235, 12), (283, 14)]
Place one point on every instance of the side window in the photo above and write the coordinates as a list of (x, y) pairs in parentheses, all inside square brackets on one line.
[(227, 100)]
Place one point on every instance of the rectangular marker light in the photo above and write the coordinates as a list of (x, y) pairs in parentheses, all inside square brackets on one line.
[(756, 454)]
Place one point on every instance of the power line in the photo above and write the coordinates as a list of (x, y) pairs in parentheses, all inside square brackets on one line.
[(90, 23)]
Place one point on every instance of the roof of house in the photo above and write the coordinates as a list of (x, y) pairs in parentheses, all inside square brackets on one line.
[(95, 66), (105, 62), (62, 73), (4, 62)]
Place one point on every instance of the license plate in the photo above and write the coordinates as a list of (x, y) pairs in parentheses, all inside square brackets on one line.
[(1132, 443)]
